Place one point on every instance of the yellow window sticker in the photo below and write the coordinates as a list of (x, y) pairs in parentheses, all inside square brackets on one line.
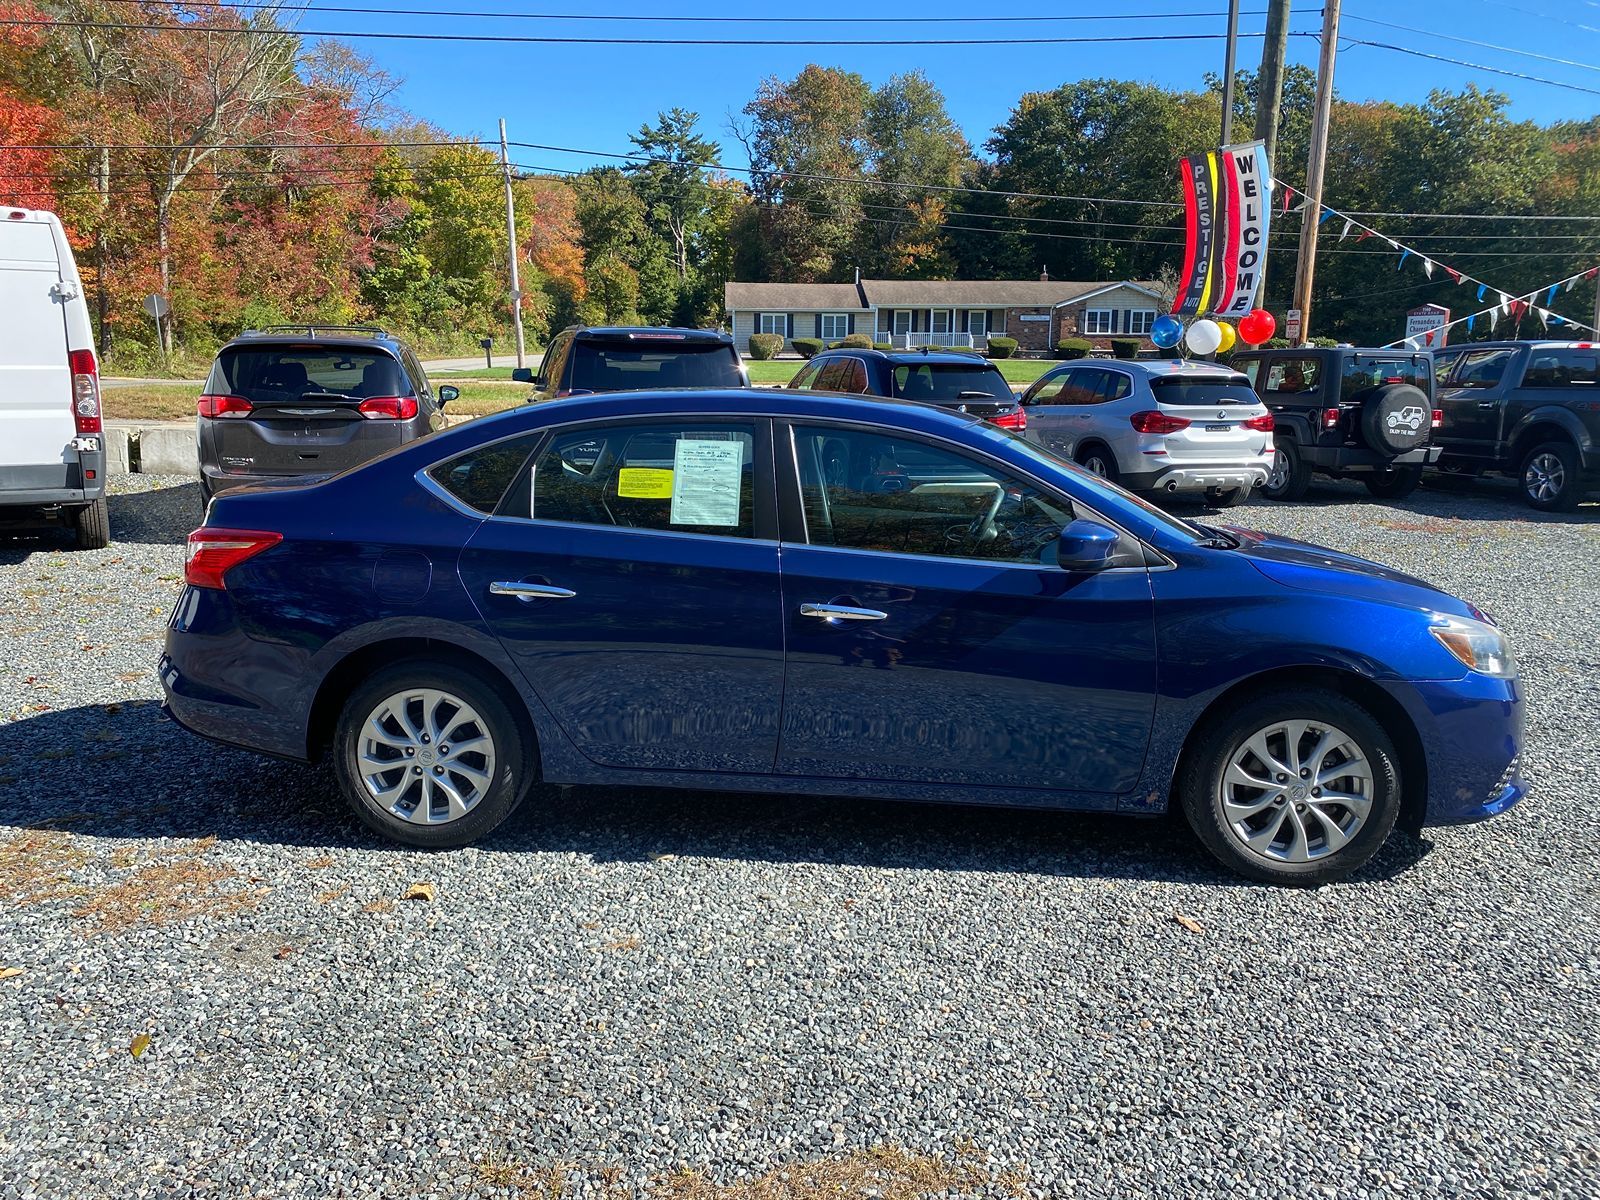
[(644, 483)]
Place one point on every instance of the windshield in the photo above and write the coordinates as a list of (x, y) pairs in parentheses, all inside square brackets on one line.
[(937, 382), (283, 374), (628, 367), (1177, 390), (1363, 373)]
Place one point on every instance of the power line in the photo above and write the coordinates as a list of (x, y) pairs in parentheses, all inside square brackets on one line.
[(1565, 62), (1461, 62)]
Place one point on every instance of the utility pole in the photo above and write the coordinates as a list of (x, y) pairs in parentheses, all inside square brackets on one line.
[(1595, 324), (511, 245), (1311, 219), (1269, 102), (1227, 71)]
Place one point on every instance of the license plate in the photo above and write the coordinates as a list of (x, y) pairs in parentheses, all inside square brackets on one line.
[(85, 444), (1218, 428)]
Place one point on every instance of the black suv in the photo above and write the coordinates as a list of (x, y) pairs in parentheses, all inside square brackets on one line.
[(950, 379), (1345, 412), (1526, 409), (306, 401), (581, 360)]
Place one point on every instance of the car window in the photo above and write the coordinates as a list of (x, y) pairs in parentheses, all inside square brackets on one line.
[(1561, 369), (419, 377), (949, 381), (1481, 368), (898, 495), (806, 376), (1293, 375), (1050, 391), (550, 368), (834, 376), (697, 478), (857, 382), (1362, 373), (479, 478), (1114, 386), (1225, 389), (1252, 371), (274, 374), (599, 366)]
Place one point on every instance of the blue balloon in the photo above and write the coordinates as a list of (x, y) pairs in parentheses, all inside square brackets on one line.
[(1166, 331)]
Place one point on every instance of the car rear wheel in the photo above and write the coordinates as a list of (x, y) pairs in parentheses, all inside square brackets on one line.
[(1395, 483), (1291, 474), (91, 526), (430, 755), (1550, 477), (1218, 497), (1296, 788), (1097, 460)]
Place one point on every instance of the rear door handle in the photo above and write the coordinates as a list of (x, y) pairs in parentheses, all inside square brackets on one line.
[(530, 591), (841, 612)]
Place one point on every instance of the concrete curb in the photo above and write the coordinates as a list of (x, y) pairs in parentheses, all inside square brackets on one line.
[(167, 450)]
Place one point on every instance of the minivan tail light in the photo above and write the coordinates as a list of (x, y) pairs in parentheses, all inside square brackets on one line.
[(212, 552), (1330, 418), (1151, 421), (388, 408), (223, 406), (85, 391), (1438, 417), (1262, 424), (1017, 420)]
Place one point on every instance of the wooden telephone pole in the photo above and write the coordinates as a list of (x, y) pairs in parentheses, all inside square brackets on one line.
[(511, 246), (1312, 212), (1269, 101)]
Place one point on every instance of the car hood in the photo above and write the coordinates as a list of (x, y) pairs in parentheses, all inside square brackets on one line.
[(1315, 568)]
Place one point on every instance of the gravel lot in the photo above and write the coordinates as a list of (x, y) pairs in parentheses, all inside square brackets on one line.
[(682, 992)]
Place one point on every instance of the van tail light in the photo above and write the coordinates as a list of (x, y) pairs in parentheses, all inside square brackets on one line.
[(1330, 418), (1151, 421), (1438, 417), (223, 406), (388, 408), (85, 391), (213, 552), (1262, 424), (1017, 420)]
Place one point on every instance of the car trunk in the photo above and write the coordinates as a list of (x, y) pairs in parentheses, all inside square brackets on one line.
[(36, 425), (650, 360), (1216, 411), (977, 388)]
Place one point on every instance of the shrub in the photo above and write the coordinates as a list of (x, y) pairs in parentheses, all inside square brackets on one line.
[(1125, 347), (806, 347), (765, 345), (885, 346), (1073, 348), (852, 341), (1002, 347)]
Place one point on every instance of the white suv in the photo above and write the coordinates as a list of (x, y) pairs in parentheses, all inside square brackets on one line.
[(52, 448), (1167, 426)]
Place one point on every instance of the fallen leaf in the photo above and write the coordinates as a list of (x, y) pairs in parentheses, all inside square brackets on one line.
[(330, 897), (139, 1045), (10, 972), (662, 856), (420, 890), (284, 952), (316, 864), (381, 905), (1189, 923)]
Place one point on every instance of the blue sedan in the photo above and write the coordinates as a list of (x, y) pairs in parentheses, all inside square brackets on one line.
[(796, 592)]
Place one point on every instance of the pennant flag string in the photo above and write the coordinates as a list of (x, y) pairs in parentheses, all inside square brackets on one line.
[(1517, 307)]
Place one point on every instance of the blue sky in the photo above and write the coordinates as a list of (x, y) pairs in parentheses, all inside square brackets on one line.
[(594, 96)]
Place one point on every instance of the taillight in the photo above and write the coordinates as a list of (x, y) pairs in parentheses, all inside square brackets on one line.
[(388, 408), (1330, 418), (213, 552), (85, 391), (1262, 424), (1017, 420), (223, 406), (1151, 421), (1438, 417)]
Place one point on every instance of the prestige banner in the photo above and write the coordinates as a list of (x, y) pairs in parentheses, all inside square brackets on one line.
[(1227, 222), (1202, 214)]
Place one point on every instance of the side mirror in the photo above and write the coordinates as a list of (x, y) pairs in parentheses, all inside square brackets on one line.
[(522, 374), (447, 393), (1086, 547)]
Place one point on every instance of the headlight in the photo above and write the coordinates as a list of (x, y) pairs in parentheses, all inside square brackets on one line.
[(1481, 647)]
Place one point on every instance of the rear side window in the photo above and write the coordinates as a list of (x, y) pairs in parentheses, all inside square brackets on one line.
[(1561, 369), (807, 376), (1362, 374), (1172, 389), (267, 375), (479, 478), (1481, 368), (949, 381), (1294, 375), (625, 367)]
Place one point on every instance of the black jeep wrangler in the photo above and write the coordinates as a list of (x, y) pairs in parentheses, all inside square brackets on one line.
[(1345, 412), (1530, 410)]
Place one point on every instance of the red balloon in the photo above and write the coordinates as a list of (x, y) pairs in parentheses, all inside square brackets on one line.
[(1256, 326)]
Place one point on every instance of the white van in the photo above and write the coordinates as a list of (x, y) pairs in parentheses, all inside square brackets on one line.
[(52, 446)]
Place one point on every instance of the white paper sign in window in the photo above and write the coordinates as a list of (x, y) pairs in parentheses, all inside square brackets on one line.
[(705, 482)]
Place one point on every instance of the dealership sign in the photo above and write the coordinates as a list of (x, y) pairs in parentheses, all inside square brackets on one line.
[(1425, 326)]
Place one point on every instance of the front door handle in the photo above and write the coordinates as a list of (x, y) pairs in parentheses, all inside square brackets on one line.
[(841, 612), (1486, 403), (530, 591)]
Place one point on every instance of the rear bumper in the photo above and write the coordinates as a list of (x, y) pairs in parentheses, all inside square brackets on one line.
[(74, 483), (218, 480), (1472, 737), (1358, 458), (1195, 479)]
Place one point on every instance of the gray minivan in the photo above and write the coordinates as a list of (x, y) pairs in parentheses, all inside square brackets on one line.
[(307, 401)]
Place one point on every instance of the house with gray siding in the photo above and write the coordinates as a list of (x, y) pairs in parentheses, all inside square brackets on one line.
[(937, 312)]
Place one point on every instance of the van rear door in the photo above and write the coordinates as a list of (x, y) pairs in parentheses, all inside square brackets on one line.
[(36, 426)]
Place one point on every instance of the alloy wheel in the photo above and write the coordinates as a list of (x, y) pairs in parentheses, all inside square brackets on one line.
[(1095, 465), (1296, 791), (1544, 477), (1280, 470), (426, 756)]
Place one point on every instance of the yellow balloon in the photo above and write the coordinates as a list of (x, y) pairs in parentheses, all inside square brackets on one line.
[(1229, 337)]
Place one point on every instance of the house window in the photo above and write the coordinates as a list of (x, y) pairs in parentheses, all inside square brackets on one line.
[(1140, 320), (978, 322), (1097, 321), (777, 323), (834, 326), (941, 320), (902, 320)]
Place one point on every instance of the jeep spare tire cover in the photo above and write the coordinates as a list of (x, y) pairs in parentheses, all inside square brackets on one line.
[(1396, 418)]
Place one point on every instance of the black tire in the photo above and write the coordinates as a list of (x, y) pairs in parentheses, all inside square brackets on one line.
[(205, 497), (91, 526), (1218, 497), (1291, 474), (1214, 745), (511, 772), (1396, 417), (1395, 483), (1098, 460), (1550, 477)]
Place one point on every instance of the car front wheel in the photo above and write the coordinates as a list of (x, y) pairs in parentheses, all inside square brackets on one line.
[(430, 755), (1294, 788), (1550, 477)]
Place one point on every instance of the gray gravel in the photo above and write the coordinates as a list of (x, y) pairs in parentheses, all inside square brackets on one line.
[(631, 983)]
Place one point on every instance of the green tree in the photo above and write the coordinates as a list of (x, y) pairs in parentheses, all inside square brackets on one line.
[(674, 186), (911, 140)]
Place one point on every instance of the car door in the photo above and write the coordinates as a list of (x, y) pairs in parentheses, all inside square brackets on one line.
[(1052, 411), (632, 574), (932, 639), (1473, 402)]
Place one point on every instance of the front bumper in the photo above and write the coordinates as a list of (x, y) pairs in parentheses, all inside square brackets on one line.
[(1472, 737)]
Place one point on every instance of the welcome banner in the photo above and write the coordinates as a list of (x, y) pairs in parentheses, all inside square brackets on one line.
[(1227, 222)]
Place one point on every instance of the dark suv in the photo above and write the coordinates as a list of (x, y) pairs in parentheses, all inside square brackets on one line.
[(306, 401), (949, 379), (583, 359), (1345, 412), (1526, 409)]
